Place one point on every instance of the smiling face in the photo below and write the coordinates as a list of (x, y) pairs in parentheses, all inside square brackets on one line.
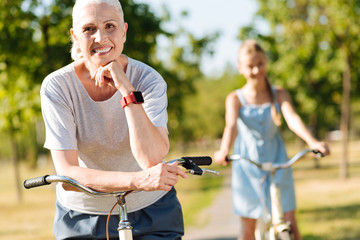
[(100, 33), (252, 65)]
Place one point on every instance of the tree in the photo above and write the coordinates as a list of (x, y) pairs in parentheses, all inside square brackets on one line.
[(313, 46), (17, 95)]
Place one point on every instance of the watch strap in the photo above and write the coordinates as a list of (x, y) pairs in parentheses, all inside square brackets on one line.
[(134, 97)]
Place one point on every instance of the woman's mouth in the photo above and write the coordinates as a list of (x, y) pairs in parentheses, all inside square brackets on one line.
[(102, 50)]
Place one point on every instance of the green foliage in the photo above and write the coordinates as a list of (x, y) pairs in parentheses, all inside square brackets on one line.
[(144, 27), (183, 71), (18, 94), (205, 112), (310, 45)]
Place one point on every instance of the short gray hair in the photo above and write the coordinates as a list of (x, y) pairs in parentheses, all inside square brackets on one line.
[(80, 4)]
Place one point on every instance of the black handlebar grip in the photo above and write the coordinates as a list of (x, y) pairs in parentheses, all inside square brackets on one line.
[(319, 153), (36, 182), (200, 161)]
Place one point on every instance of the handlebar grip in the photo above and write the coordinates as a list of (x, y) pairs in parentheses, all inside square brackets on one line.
[(317, 152), (200, 161), (36, 182)]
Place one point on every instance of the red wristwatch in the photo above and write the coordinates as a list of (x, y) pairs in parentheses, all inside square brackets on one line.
[(134, 97)]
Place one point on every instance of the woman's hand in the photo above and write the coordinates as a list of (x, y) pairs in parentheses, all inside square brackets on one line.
[(113, 75), (160, 177), (220, 157)]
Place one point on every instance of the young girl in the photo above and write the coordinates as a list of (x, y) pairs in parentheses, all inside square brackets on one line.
[(253, 114)]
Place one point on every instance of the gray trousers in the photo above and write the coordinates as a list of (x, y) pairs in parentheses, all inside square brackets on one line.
[(161, 220)]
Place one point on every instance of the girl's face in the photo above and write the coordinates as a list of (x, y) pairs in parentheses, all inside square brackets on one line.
[(252, 65), (100, 33)]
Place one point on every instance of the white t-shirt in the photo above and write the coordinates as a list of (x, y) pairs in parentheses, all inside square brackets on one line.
[(98, 130)]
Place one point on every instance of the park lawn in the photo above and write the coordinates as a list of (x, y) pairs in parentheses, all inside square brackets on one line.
[(32, 219), (329, 208)]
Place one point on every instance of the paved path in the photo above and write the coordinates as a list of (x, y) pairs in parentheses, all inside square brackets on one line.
[(218, 220)]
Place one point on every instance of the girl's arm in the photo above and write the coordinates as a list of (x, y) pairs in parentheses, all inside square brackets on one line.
[(233, 106), (296, 124)]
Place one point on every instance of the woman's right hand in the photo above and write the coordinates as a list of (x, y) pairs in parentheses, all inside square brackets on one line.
[(159, 177), (113, 74), (220, 157)]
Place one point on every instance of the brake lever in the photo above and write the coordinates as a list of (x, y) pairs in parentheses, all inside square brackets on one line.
[(214, 172), (202, 171)]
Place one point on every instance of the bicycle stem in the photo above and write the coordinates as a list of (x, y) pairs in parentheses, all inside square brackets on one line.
[(124, 221), (277, 214)]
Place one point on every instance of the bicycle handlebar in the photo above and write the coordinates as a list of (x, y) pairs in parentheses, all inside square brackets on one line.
[(48, 179), (269, 166), (190, 163)]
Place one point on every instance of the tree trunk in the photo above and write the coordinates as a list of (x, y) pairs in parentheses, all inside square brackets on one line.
[(345, 119), (15, 159)]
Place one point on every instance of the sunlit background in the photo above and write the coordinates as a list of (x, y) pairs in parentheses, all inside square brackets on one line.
[(313, 48)]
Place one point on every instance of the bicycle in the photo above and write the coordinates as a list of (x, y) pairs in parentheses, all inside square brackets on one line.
[(273, 226), (125, 229)]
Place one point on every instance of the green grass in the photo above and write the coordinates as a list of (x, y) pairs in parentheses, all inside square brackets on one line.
[(329, 208), (33, 218), (196, 193)]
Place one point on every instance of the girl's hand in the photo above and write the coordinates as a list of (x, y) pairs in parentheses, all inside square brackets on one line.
[(320, 146), (159, 177), (220, 157)]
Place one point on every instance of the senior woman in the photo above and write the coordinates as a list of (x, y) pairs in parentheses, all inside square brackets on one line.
[(105, 117)]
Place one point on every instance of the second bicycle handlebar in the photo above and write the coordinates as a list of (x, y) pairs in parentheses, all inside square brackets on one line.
[(269, 166)]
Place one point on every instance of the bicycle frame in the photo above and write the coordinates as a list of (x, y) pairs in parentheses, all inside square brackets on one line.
[(124, 228), (269, 227)]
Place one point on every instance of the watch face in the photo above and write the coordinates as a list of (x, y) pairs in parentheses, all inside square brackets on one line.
[(138, 96)]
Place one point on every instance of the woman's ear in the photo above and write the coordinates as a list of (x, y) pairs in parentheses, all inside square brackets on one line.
[(125, 30), (73, 34)]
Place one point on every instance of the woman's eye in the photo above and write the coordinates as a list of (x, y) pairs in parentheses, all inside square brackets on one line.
[(110, 26), (88, 29)]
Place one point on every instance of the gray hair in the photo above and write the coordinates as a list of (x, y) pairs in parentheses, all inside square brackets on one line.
[(80, 4)]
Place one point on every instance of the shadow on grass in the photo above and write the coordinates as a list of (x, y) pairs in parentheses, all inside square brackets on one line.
[(332, 216)]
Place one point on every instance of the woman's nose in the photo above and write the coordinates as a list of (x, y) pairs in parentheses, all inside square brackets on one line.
[(100, 36)]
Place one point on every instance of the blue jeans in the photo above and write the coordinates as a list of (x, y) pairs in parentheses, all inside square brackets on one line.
[(161, 220)]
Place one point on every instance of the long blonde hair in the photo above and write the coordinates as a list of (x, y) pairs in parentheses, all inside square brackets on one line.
[(251, 47)]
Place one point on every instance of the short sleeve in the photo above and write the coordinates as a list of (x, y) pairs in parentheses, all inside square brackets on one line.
[(155, 101), (58, 117), (147, 80)]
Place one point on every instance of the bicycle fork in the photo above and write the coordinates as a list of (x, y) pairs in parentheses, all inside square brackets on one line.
[(278, 220), (124, 229)]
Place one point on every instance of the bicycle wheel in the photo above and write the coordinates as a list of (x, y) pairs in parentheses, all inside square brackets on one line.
[(284, 235)]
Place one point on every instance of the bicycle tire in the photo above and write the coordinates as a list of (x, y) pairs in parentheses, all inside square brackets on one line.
[(284, 235)]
